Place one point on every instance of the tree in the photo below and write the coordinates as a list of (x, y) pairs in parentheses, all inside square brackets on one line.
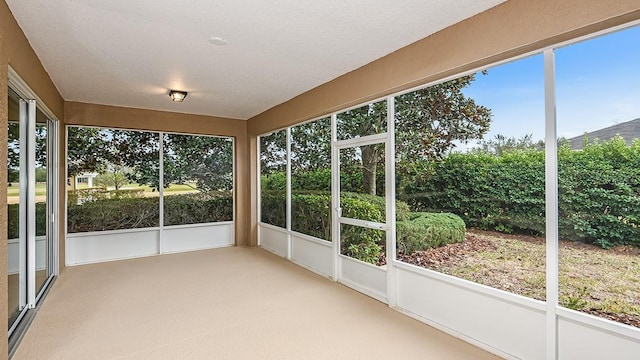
[(428, 122), (311, 145), (273, 157), (366, 120), (115, 177), (140, 152), (88, 150), (123, 156), (13, 152), (205, 160), (501, 144)]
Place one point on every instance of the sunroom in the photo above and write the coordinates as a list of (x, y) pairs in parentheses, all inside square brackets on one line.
[(460, 178)]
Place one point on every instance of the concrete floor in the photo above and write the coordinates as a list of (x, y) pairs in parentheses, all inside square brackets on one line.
[(230, 303)]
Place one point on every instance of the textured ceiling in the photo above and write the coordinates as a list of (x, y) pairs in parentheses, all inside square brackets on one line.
[(130, 53)]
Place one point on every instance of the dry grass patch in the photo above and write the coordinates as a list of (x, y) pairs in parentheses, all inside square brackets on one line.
[(605, 283)]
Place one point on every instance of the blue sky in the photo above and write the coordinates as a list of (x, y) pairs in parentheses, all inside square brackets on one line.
[(597, 85)]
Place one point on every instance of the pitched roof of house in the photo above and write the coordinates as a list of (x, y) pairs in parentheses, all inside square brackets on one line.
[(629, 130)]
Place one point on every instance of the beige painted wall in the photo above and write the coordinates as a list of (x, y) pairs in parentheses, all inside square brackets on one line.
[(513, 28), (25, 62), (3, 190), (21, 57), (15, 51), (140, 119)]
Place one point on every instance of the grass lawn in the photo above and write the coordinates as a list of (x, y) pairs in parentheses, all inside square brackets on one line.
[(181, 188), (14, 189), (601, 282)]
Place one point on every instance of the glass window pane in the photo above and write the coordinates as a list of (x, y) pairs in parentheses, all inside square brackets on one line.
[(311, 178), (470, 169), (42, 240), (13, 209), (273, 178), (113, 179), (366, 120), (198, 179), (598, 87)]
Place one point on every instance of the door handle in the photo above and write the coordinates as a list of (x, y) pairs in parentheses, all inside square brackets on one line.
[(376, 225)]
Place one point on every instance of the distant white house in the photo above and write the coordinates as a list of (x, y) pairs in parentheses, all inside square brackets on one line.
[(85, 178)]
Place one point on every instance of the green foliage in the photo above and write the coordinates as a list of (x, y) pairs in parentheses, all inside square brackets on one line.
[(13, 218), (361, 243), (599, 191), (501, 144), (41, 175), (274, 181), (81, 196), (423, 231), (273, 152), (311, 145), (129, 210), (485, 190), (205, 160), (113, 214), (312, 216), (318, 180), (123, 156), (430, 120), (115, 178), (88, 150), (274, 207), (198, 208), (575, 301)]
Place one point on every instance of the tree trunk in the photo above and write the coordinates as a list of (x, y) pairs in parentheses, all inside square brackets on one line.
[(369, 165)]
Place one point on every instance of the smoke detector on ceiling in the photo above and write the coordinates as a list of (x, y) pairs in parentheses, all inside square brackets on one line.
[(216, 40)]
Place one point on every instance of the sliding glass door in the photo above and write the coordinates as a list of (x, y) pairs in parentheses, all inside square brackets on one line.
[(30, 204)]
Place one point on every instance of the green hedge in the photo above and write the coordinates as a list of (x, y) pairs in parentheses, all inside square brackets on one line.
[(311, 210), (13, 211), (116, 214), (320, 180), (312, 216), (423, 231), (101, 193), (599, 191), (135, 212), (198, 208)]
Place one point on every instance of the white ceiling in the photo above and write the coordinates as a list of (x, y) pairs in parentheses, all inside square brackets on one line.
[(130, 53)]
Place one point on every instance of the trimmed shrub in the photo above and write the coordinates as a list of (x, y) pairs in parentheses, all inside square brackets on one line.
[(113, 214), (198, 208), (274, 207), (423, 231), (134, 212), (312, 210), (93, 194), (311, 215)]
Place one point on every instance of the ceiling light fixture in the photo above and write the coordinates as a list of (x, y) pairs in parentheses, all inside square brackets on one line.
[(177, 96)]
